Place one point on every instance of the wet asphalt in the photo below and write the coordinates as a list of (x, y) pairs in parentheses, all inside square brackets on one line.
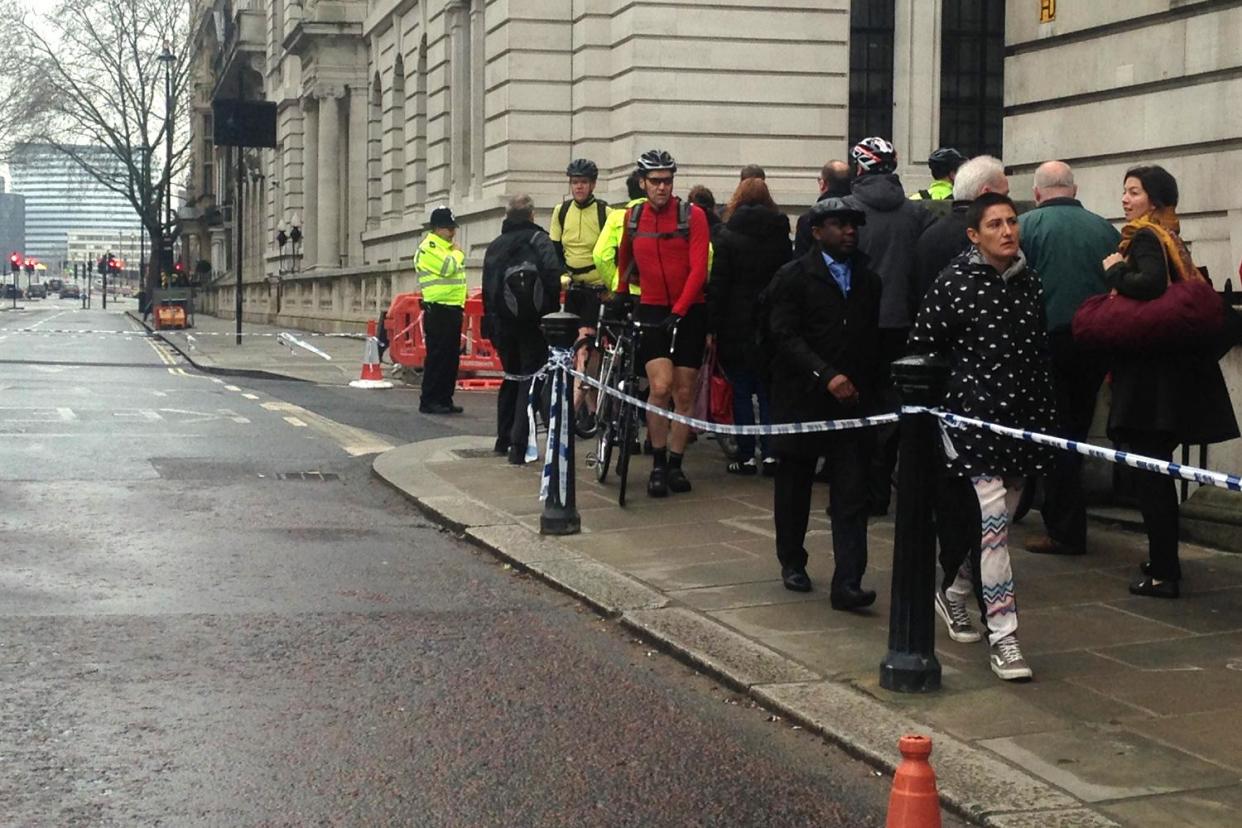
[(212, 614)]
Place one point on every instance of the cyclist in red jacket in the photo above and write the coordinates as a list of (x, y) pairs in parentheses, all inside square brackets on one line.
[(664, 250)]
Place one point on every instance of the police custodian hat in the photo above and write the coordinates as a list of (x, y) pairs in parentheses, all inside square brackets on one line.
[(836, 208), (442, 217)]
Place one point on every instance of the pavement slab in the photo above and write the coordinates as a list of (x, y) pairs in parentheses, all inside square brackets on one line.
[(1123, 720), (720, 651)]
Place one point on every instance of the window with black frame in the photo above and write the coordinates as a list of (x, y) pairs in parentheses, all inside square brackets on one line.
[(871, 69), (972, 76)]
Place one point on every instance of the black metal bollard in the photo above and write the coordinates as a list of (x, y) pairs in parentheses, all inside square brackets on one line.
[(910, 666), (561, 330)]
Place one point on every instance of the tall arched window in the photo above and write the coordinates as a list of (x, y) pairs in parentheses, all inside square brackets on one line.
[(394, 143), (416, 163), (375, 114)]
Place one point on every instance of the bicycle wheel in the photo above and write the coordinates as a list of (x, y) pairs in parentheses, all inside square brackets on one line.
[(606, 426)]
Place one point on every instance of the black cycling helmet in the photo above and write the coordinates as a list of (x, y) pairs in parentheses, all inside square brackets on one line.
[(944, 161), (874, 155), (582, 167), (652, 160)]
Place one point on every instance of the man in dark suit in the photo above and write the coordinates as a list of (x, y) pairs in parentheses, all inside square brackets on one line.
[(823, 326)]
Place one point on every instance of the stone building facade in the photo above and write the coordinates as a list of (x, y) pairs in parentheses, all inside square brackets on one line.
[(388, 108)]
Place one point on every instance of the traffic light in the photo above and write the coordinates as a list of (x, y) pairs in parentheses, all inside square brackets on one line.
[(102, 267), (166, 256), (114, 265), (15, 262), (30, 265)]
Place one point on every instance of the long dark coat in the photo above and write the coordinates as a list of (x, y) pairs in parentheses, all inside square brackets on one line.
[(750, 248), (1182, 394), (818, 332)]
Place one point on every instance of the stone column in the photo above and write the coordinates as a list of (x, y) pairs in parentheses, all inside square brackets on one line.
[(310, 181), (459, 97), (328, 211), (916, 82), (356, 178)]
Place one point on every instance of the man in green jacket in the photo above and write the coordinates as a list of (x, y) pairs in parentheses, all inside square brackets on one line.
[(1064, 243)]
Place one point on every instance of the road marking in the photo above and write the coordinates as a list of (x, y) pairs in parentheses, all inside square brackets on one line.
[(233, 415), (219, 381), (251, 396), (354, 441), (48, 319), (66, 414), (231, 388), (160, 393), (138, 413), (294, 421)]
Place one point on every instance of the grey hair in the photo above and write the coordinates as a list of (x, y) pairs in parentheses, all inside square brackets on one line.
[(1054, 175), (521, 206), (974, 175)]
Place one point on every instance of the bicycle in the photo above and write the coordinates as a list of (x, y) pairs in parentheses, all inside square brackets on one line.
[(615, 342), (620, 428), (586, 398)]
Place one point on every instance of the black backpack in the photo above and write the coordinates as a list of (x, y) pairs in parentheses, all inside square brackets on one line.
[(522, 295), (601, 210), (631, 232)]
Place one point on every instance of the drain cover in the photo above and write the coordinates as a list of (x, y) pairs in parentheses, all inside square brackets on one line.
[(314, 476)]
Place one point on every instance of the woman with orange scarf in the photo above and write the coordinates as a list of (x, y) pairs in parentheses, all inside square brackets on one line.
[(1160, 401)]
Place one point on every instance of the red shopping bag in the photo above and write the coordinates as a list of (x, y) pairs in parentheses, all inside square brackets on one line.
[(713, 399)]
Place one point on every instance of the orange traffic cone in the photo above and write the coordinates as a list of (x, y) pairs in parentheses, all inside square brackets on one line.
[(914, 802), (372, 375)]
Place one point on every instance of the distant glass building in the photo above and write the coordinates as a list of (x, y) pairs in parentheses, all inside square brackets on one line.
[(12, 223), (61, 196)]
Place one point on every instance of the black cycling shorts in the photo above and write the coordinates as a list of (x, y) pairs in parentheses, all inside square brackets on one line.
[(691, 336), (584, 302)]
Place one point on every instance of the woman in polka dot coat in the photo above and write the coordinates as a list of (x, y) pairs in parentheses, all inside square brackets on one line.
[(985, 314)]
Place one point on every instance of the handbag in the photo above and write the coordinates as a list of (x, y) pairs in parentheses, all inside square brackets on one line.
[(713, 397), (1187, 314)]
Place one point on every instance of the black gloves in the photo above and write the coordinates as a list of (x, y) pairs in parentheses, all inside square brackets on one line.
[(670, 323)]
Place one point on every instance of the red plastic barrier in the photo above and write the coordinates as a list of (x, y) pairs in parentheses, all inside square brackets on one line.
[(404, 323)]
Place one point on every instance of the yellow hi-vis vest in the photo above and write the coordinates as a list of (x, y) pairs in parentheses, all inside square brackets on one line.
[(441, 271)]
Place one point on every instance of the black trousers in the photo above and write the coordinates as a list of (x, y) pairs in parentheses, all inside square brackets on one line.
[(847, 455), (442, 334), (1076, 380), (957, 517), (1157, 500), (884, 458), (522, 350)]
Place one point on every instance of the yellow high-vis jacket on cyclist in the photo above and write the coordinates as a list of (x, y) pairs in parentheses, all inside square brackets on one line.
[(575, 230), (441, 271), (605, 253)]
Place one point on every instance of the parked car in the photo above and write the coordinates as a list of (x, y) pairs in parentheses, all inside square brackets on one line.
[(11, 290), (38, 291), (70, 292)]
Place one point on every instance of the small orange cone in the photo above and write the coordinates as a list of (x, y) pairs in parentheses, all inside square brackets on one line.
[(372, 374), (914, 802)]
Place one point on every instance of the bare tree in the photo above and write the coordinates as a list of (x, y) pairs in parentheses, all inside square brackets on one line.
[(90, 72)]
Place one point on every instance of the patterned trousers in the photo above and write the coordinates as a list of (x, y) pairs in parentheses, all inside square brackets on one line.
[(998, 497)]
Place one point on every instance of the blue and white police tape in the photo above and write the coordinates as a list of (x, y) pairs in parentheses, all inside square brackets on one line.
[(557, 446), (564, 358), (1196, 475), (722, 428)]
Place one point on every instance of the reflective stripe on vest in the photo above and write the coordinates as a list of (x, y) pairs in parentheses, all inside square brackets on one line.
[(440, 272)]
